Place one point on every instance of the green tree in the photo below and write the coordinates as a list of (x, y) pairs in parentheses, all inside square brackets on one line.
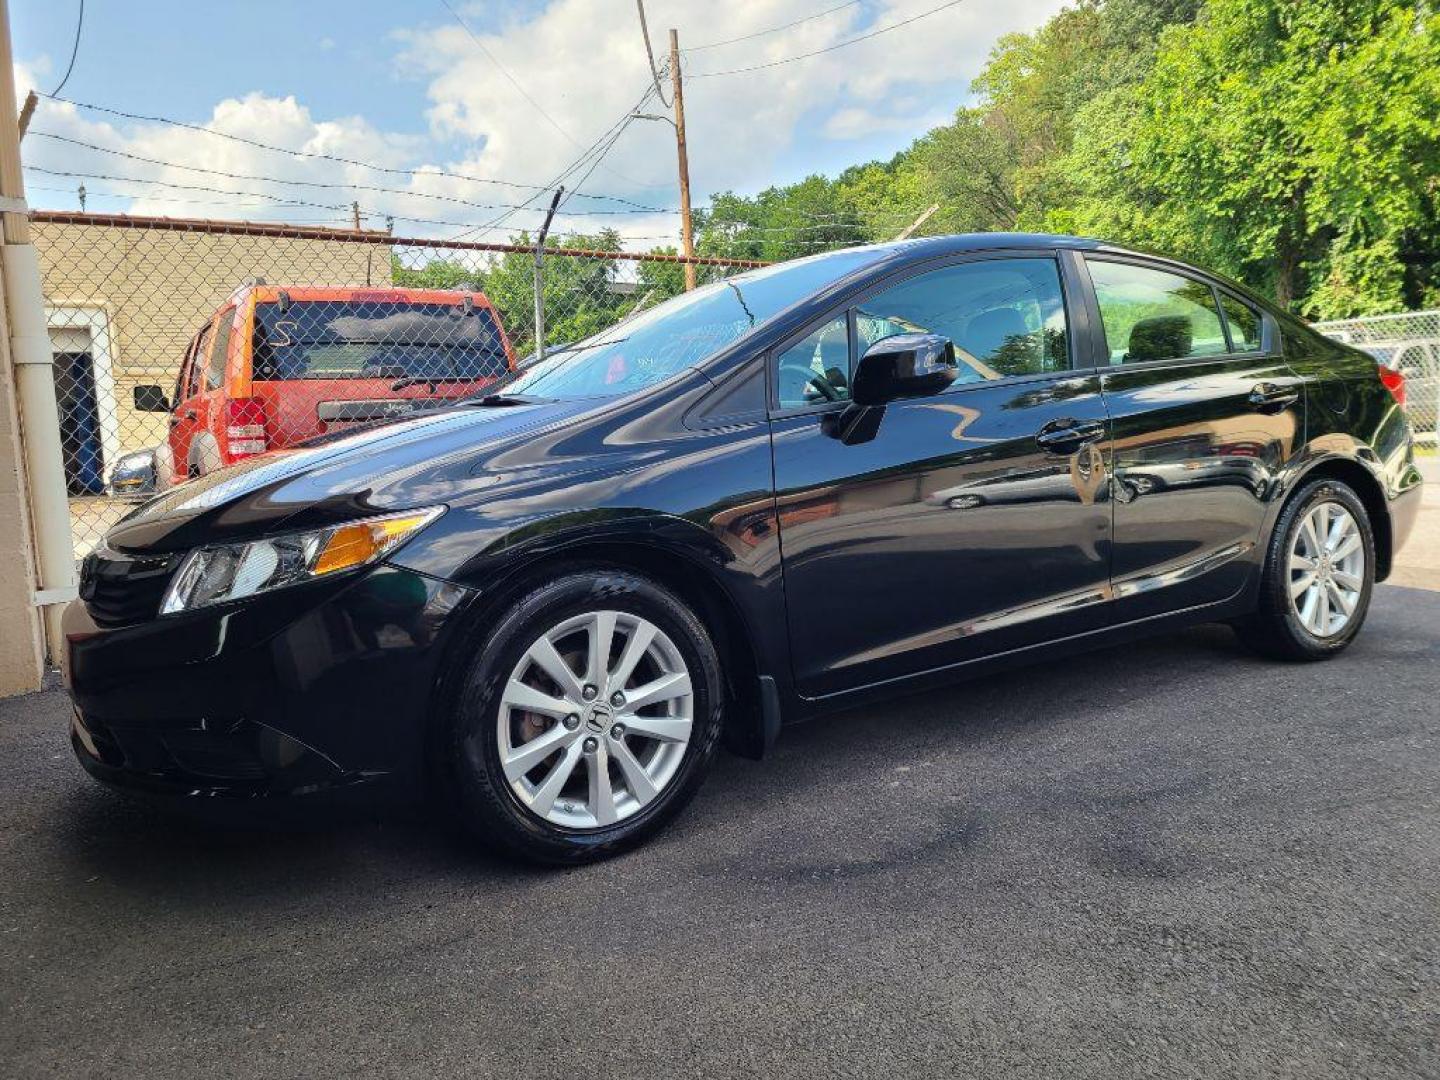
[(1293, 144), (779, 222)]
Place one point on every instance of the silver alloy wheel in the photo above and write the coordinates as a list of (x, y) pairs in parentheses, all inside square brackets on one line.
[(1327, 569), (607, 688)]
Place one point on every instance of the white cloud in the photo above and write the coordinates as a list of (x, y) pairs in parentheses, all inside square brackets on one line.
[(583, 62), (856, 122)]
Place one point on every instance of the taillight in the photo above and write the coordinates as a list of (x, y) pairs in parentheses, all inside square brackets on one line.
[(1394, 381), (245, 432)]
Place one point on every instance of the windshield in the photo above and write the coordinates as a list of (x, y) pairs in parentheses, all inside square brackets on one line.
[(352, 339), (680, 332)]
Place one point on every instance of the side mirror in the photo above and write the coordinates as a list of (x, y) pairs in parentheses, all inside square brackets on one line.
[(150, 399), (903, 366)]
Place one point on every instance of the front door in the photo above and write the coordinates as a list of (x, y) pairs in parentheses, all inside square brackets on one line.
[(1205, 413), (934, 531)]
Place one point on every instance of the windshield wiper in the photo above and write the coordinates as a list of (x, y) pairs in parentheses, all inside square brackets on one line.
[(583, 345), (431, 381), (497, 401)]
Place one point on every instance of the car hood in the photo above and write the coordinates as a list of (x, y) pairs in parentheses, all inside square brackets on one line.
[(393, 465)]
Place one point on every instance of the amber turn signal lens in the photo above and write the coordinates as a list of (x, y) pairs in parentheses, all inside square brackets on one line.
[(355, 545)]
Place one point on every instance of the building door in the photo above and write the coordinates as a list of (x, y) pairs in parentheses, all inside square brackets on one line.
[(75, 399)]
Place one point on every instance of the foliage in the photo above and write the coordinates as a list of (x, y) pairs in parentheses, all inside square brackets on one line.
[(1294, 144), (582, 296)]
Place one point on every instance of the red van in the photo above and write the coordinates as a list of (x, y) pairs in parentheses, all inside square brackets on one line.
[(278, 364)]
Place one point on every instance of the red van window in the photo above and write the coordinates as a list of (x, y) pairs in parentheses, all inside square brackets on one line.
[(215, 370), (350, 339), (197, 369)]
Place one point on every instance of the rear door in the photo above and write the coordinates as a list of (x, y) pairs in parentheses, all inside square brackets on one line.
[(185, 417), (933, 531), (1206, 413), (210, 404)]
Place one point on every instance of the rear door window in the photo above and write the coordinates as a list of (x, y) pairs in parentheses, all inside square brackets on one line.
[(1243, 322), (220, 352), (357, 339), (182, 381), (197, 367), (1151, 314)]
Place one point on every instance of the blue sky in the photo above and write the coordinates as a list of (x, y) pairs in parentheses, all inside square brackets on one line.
[(404, 85), (168, 57)]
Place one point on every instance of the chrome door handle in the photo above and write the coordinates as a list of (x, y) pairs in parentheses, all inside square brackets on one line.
[(1271, 397), (1067, 436)]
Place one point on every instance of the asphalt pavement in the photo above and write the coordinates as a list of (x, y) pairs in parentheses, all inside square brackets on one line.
[(1171, 859)]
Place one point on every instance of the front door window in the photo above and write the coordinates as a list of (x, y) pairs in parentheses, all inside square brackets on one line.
[(1005, 317)]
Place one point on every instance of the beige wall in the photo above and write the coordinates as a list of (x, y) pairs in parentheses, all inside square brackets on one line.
[(154, 288)]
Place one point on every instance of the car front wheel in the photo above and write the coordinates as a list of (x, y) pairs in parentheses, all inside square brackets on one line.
[(586, 722)]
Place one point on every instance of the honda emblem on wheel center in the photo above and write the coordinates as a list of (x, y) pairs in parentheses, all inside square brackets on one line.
[(598, 718)]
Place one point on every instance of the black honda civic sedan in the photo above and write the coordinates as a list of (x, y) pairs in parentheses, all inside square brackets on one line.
[(811, 485)]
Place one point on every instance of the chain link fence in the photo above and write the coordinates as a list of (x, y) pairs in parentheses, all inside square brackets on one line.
[(1410, 343), (184, 346)]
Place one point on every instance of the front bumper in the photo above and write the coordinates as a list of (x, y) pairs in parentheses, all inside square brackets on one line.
[(323, 686)]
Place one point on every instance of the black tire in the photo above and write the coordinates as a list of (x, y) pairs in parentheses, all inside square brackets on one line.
[(1276, 630), (468, 755)]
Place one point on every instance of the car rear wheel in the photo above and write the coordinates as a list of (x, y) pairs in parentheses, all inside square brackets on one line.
[(586, 722), (1319, 574)]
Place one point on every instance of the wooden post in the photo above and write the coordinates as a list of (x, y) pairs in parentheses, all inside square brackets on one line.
[(27, 111), (687, 235), (27, 351), (918, 222)]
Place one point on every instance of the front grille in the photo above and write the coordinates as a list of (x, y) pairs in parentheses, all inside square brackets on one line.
[(120, 589), (218, 755)]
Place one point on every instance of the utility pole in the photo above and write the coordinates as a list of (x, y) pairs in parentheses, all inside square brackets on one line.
[(25, 351), (355, 214), (540, 278), (687, 235)]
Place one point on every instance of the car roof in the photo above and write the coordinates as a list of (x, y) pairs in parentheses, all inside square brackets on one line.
[(300, 294), (985, 241), (901, 252)]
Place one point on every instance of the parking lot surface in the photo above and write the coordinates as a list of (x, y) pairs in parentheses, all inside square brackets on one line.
[(1168, 859)]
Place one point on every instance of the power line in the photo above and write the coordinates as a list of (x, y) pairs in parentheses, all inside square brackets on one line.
[(830, 48), (318, 156), (344, 208), (773, 29), (320, 183), (75, 50), (525, 93), (618, 126)]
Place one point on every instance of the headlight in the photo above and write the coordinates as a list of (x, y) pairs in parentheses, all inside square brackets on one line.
[(215, 574)]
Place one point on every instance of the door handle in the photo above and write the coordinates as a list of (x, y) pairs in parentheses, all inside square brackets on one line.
[(1271, 397), (1067, 436)]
